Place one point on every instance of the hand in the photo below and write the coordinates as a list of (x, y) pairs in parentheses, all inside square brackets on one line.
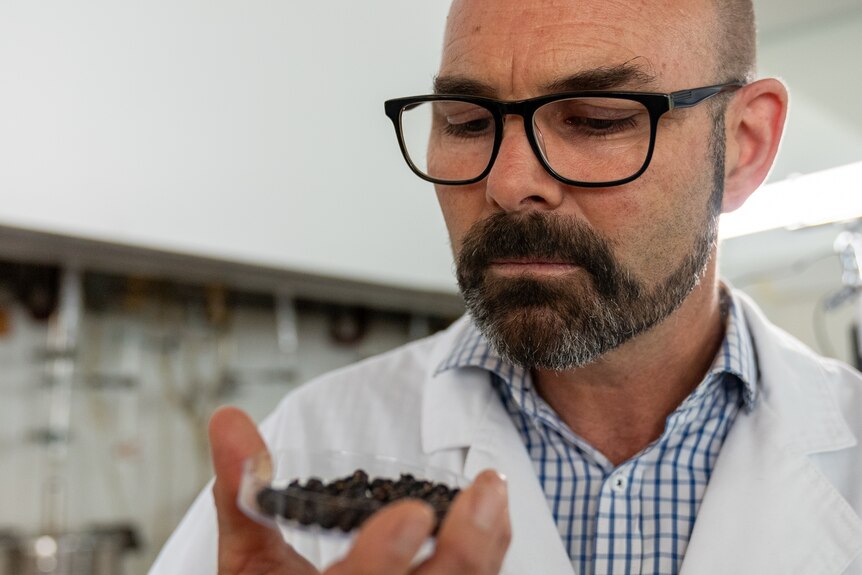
[(472, 540)]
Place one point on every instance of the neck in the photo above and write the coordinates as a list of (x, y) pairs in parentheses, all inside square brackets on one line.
[(619, 403)]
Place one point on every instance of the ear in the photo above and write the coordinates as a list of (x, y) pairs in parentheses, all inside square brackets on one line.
[(754, 123)]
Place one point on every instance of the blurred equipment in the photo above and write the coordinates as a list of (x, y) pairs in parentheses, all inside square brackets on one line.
[(10, 546), (848, 246), (93, 552), (856, 338), (59, 363)]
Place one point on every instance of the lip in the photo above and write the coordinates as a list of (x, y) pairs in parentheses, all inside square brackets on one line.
[(531, 266)]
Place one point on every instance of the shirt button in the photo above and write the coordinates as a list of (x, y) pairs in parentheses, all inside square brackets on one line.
[(619, 483)]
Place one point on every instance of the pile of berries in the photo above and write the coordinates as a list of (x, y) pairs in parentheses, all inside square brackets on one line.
[(347, 502)]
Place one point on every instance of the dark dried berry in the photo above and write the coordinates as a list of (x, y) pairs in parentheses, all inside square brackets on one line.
[(307, 513), (345, 503), (355, 492), (270, 501), (328, 513), (347, 520), (294, 501)]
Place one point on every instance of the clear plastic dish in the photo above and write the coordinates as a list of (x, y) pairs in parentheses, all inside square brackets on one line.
[(299, 510)]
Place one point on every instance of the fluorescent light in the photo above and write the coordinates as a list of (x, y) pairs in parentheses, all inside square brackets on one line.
[(833, 195)]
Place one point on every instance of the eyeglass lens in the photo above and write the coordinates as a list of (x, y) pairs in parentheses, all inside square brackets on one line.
[(582, 139)]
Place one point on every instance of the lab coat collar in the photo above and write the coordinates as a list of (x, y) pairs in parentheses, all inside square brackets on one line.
[(768, 508), (461, 411), (453, 399)]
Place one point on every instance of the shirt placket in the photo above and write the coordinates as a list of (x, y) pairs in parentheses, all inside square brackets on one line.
[(619, 540)]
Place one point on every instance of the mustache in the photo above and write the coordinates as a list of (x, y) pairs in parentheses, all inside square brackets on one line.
[(543, 236), (537, 235)]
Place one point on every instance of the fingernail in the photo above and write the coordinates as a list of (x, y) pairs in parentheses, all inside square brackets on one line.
[(490, 502), (412, 533)]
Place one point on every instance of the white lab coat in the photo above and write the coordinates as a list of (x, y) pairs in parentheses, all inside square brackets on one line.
[(785, 496)]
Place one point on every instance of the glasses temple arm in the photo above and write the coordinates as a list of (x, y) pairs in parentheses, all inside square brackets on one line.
[(689, 98)]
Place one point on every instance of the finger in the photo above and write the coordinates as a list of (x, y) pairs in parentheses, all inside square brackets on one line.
[(244, 545), (476, 533), (388, 542), (233, 439)]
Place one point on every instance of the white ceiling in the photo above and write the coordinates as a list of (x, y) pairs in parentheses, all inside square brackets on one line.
[(777, 16)]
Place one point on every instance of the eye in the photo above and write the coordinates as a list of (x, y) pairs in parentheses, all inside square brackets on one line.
[(470, 128), (595, 117), (602, 125), (463, 120)]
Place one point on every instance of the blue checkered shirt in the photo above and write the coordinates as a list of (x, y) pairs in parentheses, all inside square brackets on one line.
[(636, 517)]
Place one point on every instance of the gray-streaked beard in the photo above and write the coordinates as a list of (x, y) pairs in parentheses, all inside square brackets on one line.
[(569, 321)]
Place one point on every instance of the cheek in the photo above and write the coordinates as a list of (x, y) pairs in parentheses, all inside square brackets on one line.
[(682, 215), (654, 221), (462, 207)]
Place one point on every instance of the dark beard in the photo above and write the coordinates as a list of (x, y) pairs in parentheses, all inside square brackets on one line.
[(569, 321)]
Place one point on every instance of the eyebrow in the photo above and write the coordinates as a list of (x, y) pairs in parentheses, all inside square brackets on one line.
[(462, 86), (606, 78)]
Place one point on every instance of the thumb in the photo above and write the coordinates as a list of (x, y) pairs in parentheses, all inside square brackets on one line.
[(242, 541), (233, 439)]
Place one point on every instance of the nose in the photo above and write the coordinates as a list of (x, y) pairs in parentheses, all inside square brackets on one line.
[(517, 180)]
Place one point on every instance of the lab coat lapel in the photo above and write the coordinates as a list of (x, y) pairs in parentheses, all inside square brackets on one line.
[(768, 508), (535, 538), (461, 411)]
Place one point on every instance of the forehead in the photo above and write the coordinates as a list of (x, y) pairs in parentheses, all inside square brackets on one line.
[(518, 46)]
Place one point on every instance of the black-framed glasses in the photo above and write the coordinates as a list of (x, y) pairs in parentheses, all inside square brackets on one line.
[(588, 139)]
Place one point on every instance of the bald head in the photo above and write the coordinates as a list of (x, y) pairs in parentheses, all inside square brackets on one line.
[(737, 43), (716, 32)]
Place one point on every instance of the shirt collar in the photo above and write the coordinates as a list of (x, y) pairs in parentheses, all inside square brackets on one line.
[(736, 357)]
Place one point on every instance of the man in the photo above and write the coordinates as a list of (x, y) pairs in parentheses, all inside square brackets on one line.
[(647, 419)]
